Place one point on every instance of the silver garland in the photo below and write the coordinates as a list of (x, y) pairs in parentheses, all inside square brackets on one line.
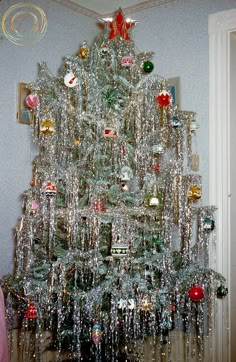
[(96, 251)]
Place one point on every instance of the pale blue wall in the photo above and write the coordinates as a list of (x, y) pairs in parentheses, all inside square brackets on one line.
[(176, 32)]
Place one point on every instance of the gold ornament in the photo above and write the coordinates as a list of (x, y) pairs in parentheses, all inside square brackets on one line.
[(83, 52), (47, 127), (146, 304), (77, 142), (194, 193)]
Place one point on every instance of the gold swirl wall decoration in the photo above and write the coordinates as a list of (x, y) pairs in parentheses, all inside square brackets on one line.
[(24, 24)]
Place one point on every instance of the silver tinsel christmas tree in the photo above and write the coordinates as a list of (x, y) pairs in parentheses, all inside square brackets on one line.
[(112, 248)]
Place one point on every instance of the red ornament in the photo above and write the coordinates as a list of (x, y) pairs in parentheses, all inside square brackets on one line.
[(31, 312), (119, 26), (164, 98), (99, 206), (32, 183), (156, 168), (196, 293)]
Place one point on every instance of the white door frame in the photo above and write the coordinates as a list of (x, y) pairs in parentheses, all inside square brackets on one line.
[(220, 26)]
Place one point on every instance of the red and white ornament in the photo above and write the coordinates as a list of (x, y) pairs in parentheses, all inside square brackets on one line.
[(127, 62), (50, 189), (164, 98), (32, 100), (70, 80), (110, 132)]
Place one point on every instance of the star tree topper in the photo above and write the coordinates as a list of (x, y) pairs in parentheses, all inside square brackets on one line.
[(120, 26)]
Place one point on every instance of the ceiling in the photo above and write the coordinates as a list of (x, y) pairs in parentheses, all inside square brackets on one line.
[(101, 8)]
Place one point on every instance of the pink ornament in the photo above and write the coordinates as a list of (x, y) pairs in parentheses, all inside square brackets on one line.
[(34, 205), (127, 62), (32, 100), (99, 206), (164, 98)]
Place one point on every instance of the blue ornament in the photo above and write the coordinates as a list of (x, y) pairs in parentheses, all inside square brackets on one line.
[(208, 224), (176, 123)]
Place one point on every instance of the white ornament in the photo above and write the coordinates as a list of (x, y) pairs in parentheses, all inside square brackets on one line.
[(157, 149), (154, 201), (122, 304), (70, 80), (119, 250), (193, 126), (126, 173), (131, 304)]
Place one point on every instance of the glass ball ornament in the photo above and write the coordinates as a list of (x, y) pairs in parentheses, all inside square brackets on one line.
[(148, 66), (196, 293), (222, 291)]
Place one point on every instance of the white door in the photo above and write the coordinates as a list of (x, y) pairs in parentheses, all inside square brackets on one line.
[(222, 170), (232, 285)]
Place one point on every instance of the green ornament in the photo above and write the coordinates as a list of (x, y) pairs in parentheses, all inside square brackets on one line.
[(222, 291), (148, 66), (110, 97)]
